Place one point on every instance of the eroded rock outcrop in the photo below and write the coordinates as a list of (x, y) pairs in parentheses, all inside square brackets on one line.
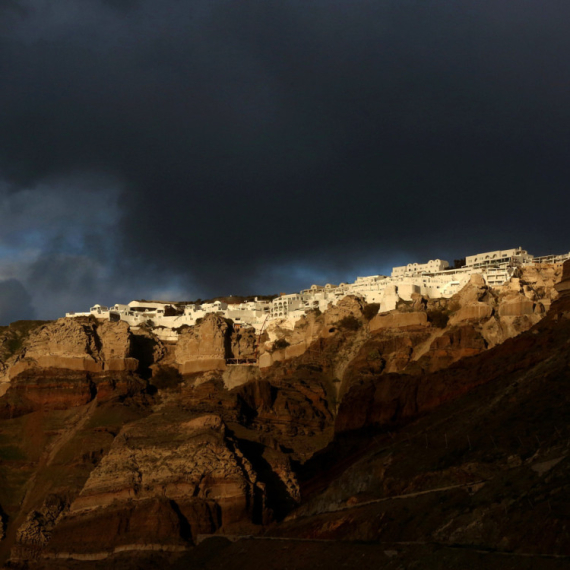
[(13, 338), (426, 335), (562, 287), (205, 346), (397, 397), (475, 474), (217, 446), (36, 531), (66, 363), (189, 475), (308, 329), (77, 344)]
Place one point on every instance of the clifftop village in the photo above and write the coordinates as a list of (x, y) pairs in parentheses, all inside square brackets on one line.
[(433, 279)]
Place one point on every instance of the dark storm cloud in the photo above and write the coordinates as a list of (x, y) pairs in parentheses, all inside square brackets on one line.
[(256, 145), (15, 302), (10, 7), (121, 4)]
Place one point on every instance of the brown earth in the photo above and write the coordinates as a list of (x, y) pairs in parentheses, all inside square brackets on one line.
[(435, 432)]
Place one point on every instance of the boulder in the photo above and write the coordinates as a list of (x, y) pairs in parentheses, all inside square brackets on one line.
[(471, 293)]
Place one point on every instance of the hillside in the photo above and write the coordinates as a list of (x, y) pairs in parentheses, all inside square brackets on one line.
[(436, 434)]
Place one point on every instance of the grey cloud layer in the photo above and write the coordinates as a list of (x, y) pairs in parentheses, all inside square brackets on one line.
[(256, 144)]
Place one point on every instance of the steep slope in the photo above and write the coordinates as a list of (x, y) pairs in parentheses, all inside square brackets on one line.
[(487, 471), (119, 448)]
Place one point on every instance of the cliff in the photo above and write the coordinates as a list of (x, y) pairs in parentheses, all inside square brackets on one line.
[(118, 450)]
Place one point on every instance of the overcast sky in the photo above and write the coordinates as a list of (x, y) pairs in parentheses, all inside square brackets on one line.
[(191, 148)]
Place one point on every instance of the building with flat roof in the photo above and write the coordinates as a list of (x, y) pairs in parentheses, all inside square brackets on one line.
[(434, 279)]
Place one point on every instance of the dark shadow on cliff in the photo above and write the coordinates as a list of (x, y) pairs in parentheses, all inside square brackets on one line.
[(278, 499), (143, 348)]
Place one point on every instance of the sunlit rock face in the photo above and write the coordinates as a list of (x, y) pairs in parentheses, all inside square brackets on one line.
[(78, 344), (204, 346), (67, 363), (134, 445), (211, 343), (189, 475)]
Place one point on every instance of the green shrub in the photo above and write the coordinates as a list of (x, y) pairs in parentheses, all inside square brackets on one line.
[(349, 323), (374, 355), (280, 344)]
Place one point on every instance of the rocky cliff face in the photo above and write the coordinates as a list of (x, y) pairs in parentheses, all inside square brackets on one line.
[(12, 339), (112, 442), (67, 362), (188, 476), (473, 475), (211, 344), (77, 344)]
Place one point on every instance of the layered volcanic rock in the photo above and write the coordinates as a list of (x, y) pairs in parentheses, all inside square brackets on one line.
[(398, 320), (78, 344), (477, 474), (95, 461), (308, 329), (205, 346), (563, 285), (67, 362), (12, 339), (393, 398), (163, 482), (454, 344)]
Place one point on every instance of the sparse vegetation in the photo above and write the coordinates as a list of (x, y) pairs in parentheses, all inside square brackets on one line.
[(280, 344), (15, 334), (374, 355), (349, 323)]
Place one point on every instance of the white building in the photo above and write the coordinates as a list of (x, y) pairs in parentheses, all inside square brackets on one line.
[(413, 269), (434, 279), (518, 255)]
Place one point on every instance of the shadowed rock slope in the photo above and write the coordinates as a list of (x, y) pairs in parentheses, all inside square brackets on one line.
[(434, 435)]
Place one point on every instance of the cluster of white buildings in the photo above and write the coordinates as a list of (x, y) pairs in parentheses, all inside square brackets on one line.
[(433, 279)]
